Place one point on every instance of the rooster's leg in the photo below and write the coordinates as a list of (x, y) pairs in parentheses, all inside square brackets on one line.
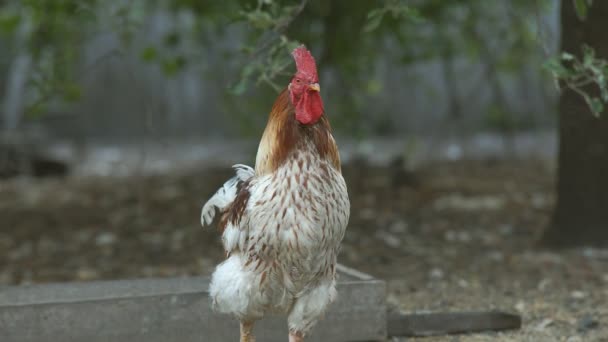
[(296, 337), (247, 331)]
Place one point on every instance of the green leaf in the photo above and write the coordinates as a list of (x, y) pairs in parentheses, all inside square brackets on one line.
[(248, 70), (171, 39), (149, 54), (36, 110), (290, 44), (374, 19), (597, 106), (72, 92), (240, 87), (374, 87), (601, 78), (554, 65), (567, 56), (9, 23), (588, 56), (407, 12), (260, 19), (604, 93), (172, 66), (581, 9)]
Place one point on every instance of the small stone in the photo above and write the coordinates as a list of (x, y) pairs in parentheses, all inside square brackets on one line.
[(520, 306), (436, 273), (588, 252), (105, 239), (463, 283), (464, 237), (450, 235), (543, 324), (496, 256), (87, 274), (587, 323), (543, 284), (462, 203), (539, 201), (398, 227), (506, 229), (389, 239), (489, 239), (546, 257), (393, 300), (578, 294), (574, 339), (595, 253), (453, 152)]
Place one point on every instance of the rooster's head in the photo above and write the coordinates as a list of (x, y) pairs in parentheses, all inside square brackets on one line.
[(304, 88)]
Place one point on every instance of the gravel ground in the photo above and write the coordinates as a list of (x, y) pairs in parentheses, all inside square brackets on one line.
[(449, 236)]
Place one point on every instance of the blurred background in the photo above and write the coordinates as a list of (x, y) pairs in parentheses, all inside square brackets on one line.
[(119, 119)]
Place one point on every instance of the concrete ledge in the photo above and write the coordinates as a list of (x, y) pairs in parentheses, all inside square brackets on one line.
[(171, 310)]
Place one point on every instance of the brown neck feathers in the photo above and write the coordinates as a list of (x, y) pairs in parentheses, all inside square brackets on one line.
[(284, 135)]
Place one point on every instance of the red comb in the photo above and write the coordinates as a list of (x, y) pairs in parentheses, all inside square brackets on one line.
[(305, 62)]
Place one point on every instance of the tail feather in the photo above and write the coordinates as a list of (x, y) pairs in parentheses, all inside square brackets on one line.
[(226, 194)]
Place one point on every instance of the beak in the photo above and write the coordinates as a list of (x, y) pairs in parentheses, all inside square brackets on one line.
[(315, 87)]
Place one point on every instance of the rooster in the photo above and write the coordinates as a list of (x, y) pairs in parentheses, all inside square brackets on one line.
[(282, 223)]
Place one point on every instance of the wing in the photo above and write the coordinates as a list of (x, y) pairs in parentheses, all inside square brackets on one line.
[(223, 199)]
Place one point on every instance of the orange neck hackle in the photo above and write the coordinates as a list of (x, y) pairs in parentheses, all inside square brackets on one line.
[(284, 135)]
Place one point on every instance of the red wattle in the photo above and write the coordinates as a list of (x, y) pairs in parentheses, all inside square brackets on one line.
[(310, 107)]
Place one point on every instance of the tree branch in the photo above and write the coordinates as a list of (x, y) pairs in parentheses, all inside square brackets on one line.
[(278, 30)]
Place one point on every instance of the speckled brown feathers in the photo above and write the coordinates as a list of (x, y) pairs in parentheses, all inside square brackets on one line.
[(284, 134), (234, 212)]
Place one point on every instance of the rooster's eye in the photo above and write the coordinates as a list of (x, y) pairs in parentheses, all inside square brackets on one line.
[(298, 80)]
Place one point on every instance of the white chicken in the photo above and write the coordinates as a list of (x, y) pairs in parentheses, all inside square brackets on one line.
[(282, 223)]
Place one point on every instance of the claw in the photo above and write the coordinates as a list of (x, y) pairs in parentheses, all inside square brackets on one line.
[(296, 337), (247, 332)]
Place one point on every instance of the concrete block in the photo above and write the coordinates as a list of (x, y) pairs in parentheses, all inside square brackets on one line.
[(172, 310)]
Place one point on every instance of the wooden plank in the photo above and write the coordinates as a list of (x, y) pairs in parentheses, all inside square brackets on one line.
[(445, 323), (155, 310)]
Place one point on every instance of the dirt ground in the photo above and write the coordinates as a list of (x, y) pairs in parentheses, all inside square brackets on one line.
[(449, 236)]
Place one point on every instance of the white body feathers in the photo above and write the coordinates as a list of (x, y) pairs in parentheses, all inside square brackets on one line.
[(282, 235)]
